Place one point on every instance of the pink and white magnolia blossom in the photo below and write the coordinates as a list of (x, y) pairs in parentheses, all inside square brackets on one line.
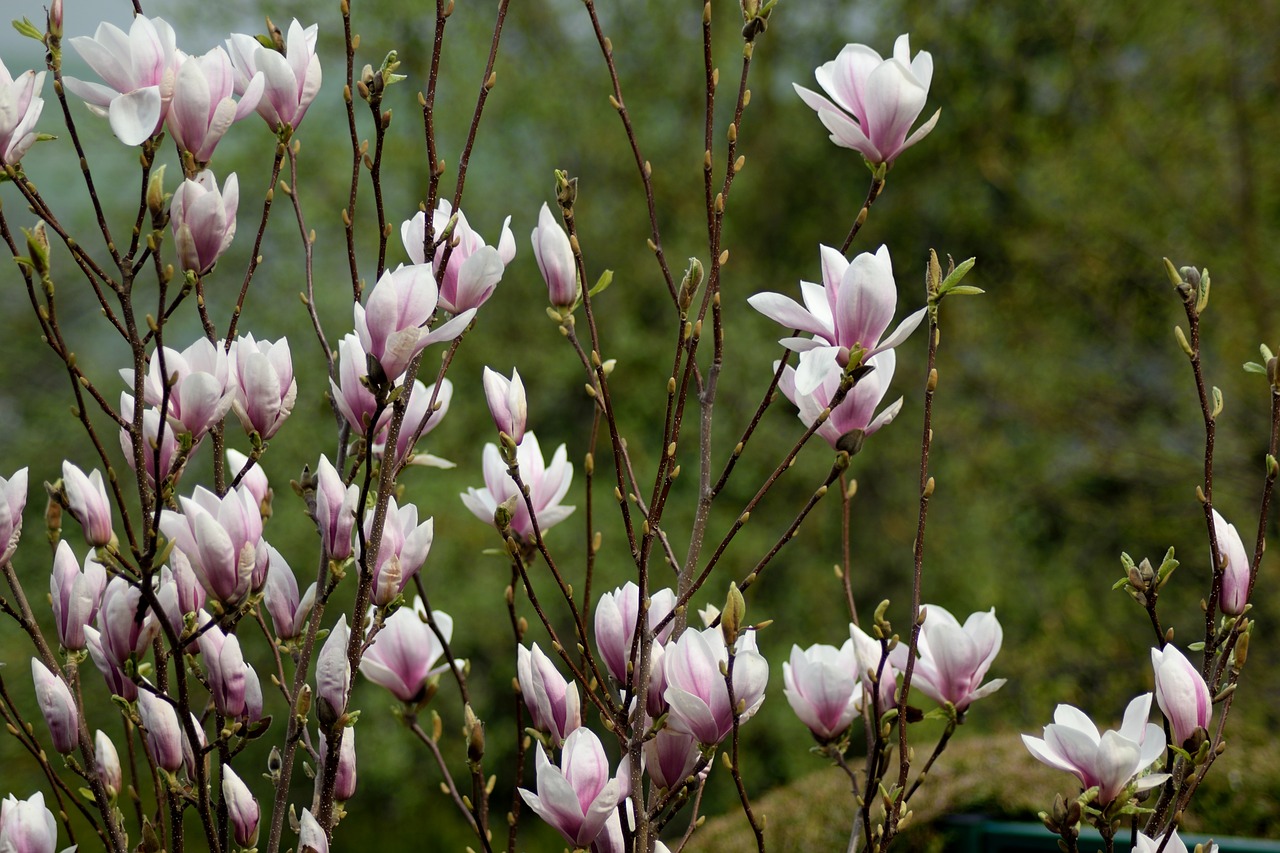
[(553, 701), (1109, 761), (27, 826), (353, 398), (850, 310), (1181, 693), (13, 500), (222, 537), (404, 548), (203, 220), (164, 734), (58, 707), (578, 797), (507, 402), (139, 69), (75, 594), (20, 108), (821, 684), (474, 268), (203, 109), (856, 415), (126, 628), (871, 656), (615, 626), (954, 658), (1236, 566), (547, 487), (242, 808), (87, 501), (1147, 844), (292, 78), (107, 759), (670, 757), (112, 669), (262, 379), (335, 510), (419, 412), (696, 688), (201, 391), (288, 610), (311, 838), (225, 668), (153, 438), (876, 100), (333, 674), (344, 784), (554, 254), (403, 655), (392, 324)]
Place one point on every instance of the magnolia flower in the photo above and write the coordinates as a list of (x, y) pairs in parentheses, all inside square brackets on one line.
[(199, 380), (1181, 693), (154, 439), (855, 416), (1236, 566), (507, 402), (288, 611), (1110, 761), (954, 658), (222, 537), (392, 325), (553, 701), (403, 655), (225, 667), (112, 670), (344, 785), (20, 107), (202, 109), (311, 838), (821, 683), (58, 707), (139, 70), (13, 500), (420, 413), (335, 510), (474, 269), (402, 551), (1147, 844), (615, 626), (351, 395), (27, 826), (333, 674), (262, 379), (164, 734), (578, 797), (108, 761), (850, 311), (696, 689), (242, 808), (554, 254), (292, 77), (204, 220), (75, 594), (87, 501), (254, 479), (670, 757), (876, 100), (180, 592), (547, 487), (126, 627)]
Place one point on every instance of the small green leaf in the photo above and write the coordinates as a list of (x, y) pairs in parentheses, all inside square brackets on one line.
[(606, 279), (964, 290), (954, 277), (28, 29), (1254, 367)]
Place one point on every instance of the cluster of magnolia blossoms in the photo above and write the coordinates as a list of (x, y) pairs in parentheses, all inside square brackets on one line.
[(1116, 762), (27, 826)]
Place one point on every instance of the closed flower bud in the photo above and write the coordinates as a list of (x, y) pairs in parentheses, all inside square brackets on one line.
[(288, 611), (344, 786), (164, 735), (86, 498), (108, 761), (1236, 566), (242, 808), (554, 254), (311, 838), (1181, 693), (75, 594), (13, 500), (507, 402), (335, 510), (333, 675), (225, 667), (58, 707), (553, 701), (254, 479)]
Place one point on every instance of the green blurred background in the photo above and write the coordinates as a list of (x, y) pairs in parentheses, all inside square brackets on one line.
[(1078, 144)]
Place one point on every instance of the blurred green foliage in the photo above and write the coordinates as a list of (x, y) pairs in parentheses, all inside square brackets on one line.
[(1079, 143)]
